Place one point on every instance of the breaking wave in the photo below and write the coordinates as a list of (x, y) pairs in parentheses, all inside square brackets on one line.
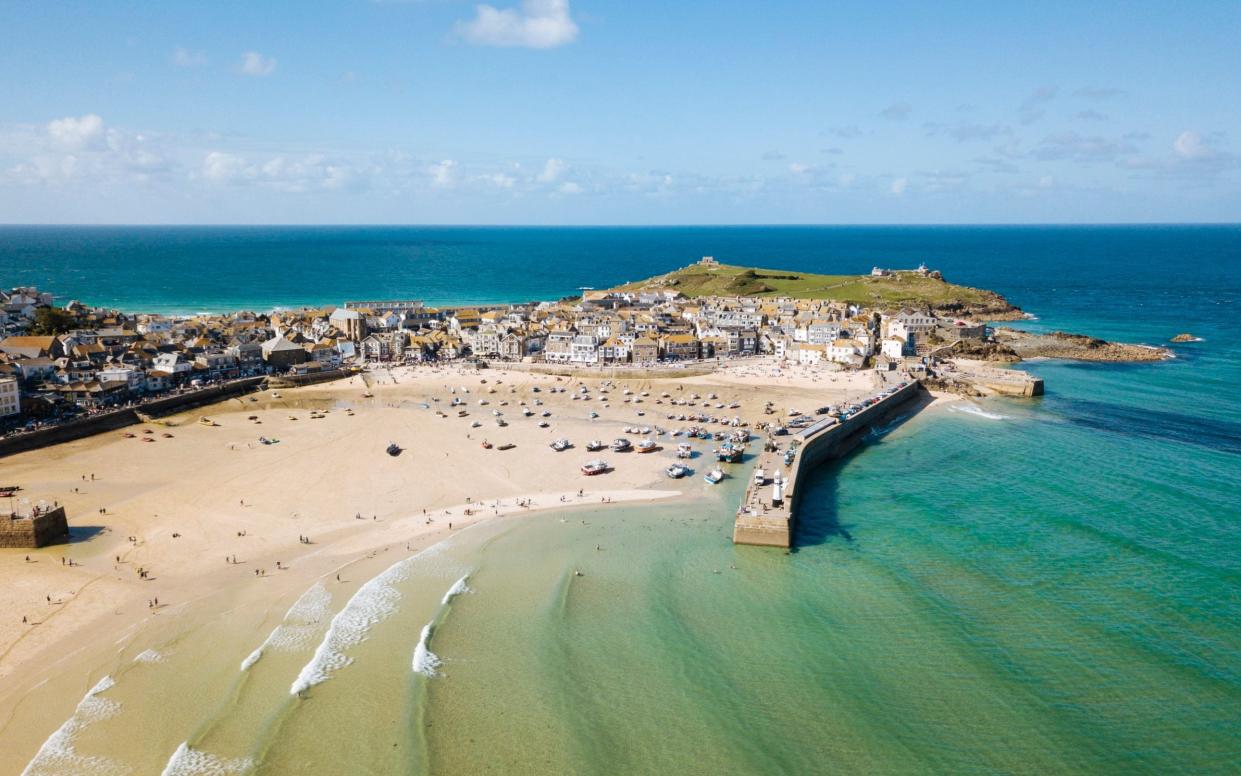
[(425, 661), (374, 602), (148, 656), (299, 627), (974, 409), (457, 589), (58, 756), (194, 762)]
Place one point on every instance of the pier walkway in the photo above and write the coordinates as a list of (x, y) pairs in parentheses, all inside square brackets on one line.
[(768, 512)]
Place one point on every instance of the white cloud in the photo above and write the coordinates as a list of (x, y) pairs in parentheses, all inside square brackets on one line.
[(797, 168), (899, 185), (222, 167), (76, 132), (255, 64), (552, 170), (537, 24), (500, 180), (1190, 145), (182, 57), (569, 187), (444, 173)]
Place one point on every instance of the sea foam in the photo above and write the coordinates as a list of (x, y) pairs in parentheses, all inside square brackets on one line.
[(148, 656), (457, 589), (374, 602), (58, 756), (299, 627), (425, 661), (973, 409), (195, 762)]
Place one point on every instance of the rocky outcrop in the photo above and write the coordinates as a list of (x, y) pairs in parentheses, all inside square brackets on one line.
[(1186, 338), (1060, 344), (981, 350)]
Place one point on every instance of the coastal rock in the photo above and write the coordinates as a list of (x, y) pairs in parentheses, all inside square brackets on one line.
[(1061, 344), (1186, 338), (980, 350)]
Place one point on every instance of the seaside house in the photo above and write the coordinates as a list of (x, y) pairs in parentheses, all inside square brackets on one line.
[(680, 347), (10, 397)]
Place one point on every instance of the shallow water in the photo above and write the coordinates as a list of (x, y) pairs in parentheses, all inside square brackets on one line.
[(1025, 586)]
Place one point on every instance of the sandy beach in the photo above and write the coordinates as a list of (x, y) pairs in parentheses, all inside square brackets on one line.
[(206, 519)]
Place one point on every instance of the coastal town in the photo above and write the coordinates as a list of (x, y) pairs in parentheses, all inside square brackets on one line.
[(59, 362)]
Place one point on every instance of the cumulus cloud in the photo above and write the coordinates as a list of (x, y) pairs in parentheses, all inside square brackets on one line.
[(897, 111), (1190, 145), (444, 173), (76, 132), (183, 57), (899, 185), (255, 64), (569, 187), (535, 24), (552, 170)]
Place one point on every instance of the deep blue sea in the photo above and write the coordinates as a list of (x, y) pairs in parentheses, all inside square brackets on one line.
[(1048, 585)]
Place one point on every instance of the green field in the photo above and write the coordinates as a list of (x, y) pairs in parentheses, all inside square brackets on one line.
[(899, 289)]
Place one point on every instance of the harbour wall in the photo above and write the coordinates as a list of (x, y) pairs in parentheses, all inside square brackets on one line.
[(760, 521), (28, 533), (115, 419)]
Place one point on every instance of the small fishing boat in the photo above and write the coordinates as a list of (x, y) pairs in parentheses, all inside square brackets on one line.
[(560, 445), (591, 468), (506, 446), (684, 451), (620, 445), (486, 445), (714, 476), (677, 470), (646, 446), (595, 445)]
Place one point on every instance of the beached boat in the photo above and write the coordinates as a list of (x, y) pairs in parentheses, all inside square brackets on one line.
[(684, 451), (486, 445), (714, 476), (729, 453), (591, 468), (646, 446), (394, 449), (506, 446), (677, 470), (620, 444), (595, 445), (560, 445)]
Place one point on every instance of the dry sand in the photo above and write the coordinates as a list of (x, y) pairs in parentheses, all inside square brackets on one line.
[(182, 507)]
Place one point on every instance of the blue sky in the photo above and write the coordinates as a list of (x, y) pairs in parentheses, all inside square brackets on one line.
[(592, 112)]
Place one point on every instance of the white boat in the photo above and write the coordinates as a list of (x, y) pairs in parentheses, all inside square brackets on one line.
[(677, 470), (560, 445), (684, 450), (595, 445), (646, 446), (620, 444), (714, 476), (591, 468)]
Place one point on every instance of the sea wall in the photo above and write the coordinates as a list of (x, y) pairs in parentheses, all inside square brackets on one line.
[(760, 520), (28, 533), (311, 378), (110, 421)]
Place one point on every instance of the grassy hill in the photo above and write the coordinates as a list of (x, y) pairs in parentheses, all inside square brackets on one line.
[(896, 290)]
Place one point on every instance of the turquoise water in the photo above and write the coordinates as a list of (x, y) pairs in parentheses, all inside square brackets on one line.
[(1012, 586)]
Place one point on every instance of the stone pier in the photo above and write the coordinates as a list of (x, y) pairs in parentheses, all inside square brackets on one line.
[(760, 520)]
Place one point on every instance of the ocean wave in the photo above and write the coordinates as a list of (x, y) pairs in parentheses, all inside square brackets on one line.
[(195, 762), (426, 662), (299, 627), (457, 589), (974, 409), (58, 756), (374, 602), (148, 656)]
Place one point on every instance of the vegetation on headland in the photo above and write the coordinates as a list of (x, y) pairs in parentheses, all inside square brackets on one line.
[(894, 290)]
